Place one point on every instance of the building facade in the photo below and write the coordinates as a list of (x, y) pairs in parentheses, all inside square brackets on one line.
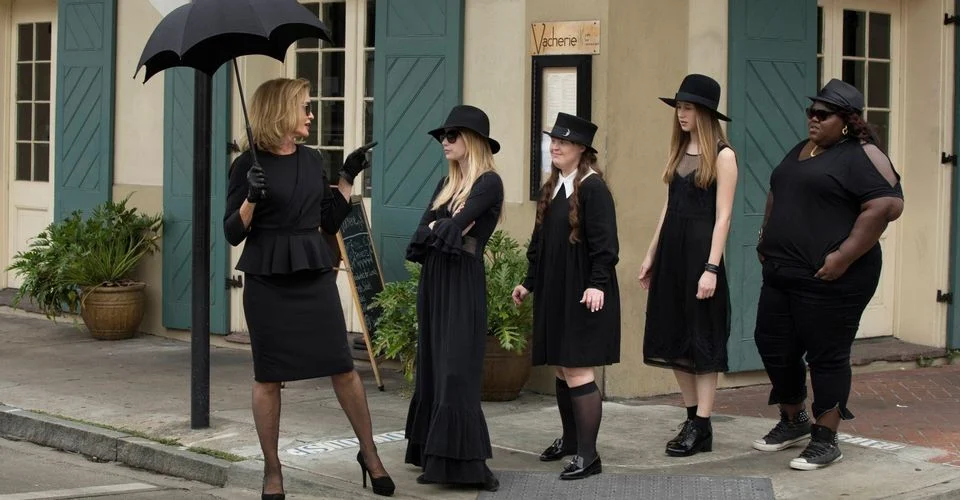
[(76, 129)]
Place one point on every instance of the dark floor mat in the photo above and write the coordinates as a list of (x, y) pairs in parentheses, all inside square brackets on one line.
[(609, 486)]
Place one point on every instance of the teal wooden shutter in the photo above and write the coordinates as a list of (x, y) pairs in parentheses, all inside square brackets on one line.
[(178, 199), (83, 158), (773, 66), (418, 71)]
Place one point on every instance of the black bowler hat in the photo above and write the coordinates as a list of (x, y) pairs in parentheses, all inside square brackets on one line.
[(470, 118), (842, 95), (574, 129), (698, 89)]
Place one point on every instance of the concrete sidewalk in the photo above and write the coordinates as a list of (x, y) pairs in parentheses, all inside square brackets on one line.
[(140, 388)]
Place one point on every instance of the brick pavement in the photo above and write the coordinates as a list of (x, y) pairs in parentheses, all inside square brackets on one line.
[(918, 406)]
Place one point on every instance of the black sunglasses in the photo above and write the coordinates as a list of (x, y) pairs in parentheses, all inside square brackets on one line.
[(819, 114), (450, 135), (308, 108)]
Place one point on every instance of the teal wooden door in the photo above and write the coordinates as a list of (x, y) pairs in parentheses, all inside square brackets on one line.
[(418, 72), (772, 67), (83, 158), (178, 200)]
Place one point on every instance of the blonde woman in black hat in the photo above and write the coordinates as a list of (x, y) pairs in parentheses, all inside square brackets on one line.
[(572, 274), (830, 200), (446, 428), (688, 306)]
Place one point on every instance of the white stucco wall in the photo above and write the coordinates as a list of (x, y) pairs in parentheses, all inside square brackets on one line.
[(138, 132)]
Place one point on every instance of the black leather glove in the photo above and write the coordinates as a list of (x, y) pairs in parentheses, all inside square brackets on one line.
[(356, 162), (257, 184)]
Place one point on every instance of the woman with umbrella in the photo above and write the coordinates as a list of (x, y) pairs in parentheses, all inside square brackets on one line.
[(830, 200), (572, 274), (446, 428), (290, 297)]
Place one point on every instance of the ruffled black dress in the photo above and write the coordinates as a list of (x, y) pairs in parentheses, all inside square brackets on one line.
[(290, 297), (446, 429)]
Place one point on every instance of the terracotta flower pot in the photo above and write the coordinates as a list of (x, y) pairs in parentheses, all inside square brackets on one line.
[(504, 372), (114, 313)]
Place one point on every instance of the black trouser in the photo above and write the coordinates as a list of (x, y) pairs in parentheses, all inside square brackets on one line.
[(801, 315)]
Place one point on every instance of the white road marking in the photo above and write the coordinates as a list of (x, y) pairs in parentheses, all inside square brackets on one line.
[(79, 492)]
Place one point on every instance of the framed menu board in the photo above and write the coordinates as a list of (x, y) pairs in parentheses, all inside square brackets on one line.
[(559, 84)]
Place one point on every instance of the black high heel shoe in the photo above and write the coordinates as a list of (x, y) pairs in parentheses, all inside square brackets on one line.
[(271, 496), (381, 485)]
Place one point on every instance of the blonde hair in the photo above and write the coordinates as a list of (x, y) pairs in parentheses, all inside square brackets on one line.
[(275, 112), (710, 137), (478, 161)]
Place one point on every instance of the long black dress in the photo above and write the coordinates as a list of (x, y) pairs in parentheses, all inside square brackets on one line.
[(565, 332), (290, 297), (446, 429), (682, 331)]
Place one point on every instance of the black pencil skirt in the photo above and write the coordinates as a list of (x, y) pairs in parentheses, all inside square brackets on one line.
[(296, 324)]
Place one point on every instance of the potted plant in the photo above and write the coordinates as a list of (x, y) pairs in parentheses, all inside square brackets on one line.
[(396, 331), (506, 366), (86, 265)]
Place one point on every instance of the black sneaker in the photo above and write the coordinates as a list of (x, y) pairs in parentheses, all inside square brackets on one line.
[(821, 451), (786, 433)]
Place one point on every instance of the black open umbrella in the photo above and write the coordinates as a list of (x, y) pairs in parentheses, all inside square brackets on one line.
[(204, 35)]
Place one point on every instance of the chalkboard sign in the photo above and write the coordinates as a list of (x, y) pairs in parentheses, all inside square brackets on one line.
[(363, 267)]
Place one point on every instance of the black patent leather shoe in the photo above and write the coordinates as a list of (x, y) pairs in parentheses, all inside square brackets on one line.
[(557, 450), (579, 469), (695, 440)]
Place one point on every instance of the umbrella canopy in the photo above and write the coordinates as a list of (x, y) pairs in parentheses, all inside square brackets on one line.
[(204, 34)]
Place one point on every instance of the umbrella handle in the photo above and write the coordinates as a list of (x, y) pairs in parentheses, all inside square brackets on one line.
[(246, 120)]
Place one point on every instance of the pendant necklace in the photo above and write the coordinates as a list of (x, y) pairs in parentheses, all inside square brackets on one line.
[(813, 152)]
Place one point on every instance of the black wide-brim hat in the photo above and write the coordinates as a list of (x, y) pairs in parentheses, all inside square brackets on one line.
[(841, 94), (698, 89), (574, 129), (467, 117)]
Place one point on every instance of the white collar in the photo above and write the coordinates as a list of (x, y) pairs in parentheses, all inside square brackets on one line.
[(567, 183)]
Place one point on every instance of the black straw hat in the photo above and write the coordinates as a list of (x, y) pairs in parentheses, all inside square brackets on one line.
[(842, 95), (574, 129), (470, 118), (698, 89)]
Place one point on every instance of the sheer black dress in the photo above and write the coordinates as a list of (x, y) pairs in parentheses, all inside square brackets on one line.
[(682, 331)]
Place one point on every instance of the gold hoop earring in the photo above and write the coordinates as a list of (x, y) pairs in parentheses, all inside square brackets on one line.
[(844, 131)]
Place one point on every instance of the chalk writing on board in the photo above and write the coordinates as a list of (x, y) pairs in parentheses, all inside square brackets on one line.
[(362, 261)]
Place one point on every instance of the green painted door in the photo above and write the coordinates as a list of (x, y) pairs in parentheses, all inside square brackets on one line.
[(772, 67), (83, 158), (418, 72), (178, 199)]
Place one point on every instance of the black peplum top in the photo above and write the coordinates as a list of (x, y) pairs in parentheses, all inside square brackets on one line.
[(284, 236)]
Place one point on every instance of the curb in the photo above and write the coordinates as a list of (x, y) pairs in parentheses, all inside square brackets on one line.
[(112, 446)]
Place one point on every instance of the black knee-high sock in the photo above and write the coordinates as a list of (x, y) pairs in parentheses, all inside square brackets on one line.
[(588, 410), (566, 415)]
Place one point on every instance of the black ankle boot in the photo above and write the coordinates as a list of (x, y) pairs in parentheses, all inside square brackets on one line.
[(698, 437)]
